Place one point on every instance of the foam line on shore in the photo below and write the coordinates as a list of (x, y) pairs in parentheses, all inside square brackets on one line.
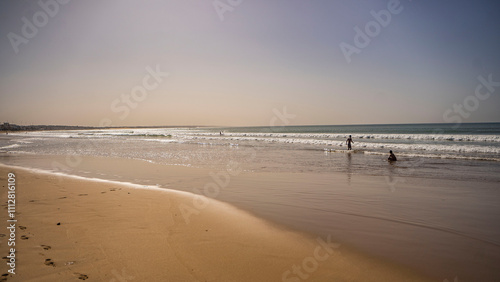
[(100, 180)]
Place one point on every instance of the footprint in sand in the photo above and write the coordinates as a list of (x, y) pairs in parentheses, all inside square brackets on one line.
[(2, 235), (63, 198), (45, 247), (82, 194), (24, 237), (4, 277), (22, 227), (49, 262), (82, 276)]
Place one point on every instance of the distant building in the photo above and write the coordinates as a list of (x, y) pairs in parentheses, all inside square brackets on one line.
[(9, 127)]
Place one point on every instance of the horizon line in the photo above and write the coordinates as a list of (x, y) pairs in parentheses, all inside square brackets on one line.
[(234, 126)]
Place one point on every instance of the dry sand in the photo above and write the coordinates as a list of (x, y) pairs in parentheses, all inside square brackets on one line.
[(70, 229)]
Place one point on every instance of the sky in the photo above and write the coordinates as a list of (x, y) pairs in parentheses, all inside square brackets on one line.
[(248, 62)]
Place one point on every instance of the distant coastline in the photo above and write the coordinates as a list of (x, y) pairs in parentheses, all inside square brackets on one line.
[(14, 127)]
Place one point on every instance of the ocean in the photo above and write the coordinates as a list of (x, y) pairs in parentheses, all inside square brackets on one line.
[(469, 152), (435, 210)]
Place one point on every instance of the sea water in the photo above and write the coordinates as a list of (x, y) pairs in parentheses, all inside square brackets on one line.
[(468, 152)]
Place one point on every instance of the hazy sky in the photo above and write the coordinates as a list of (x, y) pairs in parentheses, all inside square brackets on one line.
[(86, 62)]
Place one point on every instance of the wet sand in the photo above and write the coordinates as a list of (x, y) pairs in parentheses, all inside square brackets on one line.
[(71, 228)]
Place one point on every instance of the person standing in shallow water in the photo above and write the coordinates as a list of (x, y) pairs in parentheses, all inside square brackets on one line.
[(392, 157), (348, 142)]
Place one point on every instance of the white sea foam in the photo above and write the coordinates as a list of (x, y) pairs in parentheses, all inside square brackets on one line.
[(442, 147), (10, 146), (436, 156), (191, 134), (101, 180), (427, 145), (328, 136), (162, 140), (433, 147)]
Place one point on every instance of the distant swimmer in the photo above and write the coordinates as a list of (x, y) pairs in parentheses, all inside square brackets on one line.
[(392, 157), (220, 133), (348, 142)]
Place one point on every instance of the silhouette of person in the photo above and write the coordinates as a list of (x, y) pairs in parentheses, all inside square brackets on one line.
[(392, 157), (348, 142)]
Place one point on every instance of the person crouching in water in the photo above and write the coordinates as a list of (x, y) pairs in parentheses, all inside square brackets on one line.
[(392, 157)]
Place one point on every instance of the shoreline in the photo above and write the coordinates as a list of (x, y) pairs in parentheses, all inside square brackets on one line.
[(103, 225), (439, 228)]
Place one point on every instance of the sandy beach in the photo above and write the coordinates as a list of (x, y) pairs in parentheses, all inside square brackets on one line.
[(70, 229), (233, 140)]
